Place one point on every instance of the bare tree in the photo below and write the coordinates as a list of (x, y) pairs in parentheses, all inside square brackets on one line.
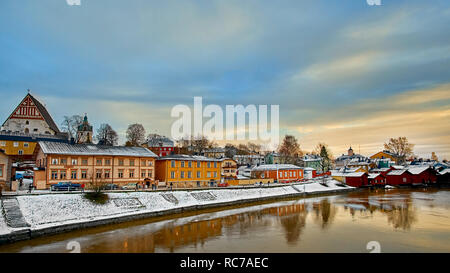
[(289, 150), (400, 147), (70, 125), (106, 135), (135, 134)]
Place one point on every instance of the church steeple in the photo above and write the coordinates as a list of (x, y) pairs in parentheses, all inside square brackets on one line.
[(84, 132)]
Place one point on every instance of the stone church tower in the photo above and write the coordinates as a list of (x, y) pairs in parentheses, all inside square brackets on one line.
[(84, 132)]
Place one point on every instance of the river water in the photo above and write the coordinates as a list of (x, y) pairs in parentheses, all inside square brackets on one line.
[(388, 220)]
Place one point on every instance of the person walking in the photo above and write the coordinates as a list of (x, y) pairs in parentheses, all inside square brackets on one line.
[(82, 187), (171, 185), (30, 187)]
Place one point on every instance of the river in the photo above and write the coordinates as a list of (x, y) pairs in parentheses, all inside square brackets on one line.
[(392, 220)]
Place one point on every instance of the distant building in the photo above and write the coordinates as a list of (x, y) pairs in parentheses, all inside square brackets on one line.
[(311, 161), (279, 172), (250, 160), (384, 159), (272, 158), (83, 163), (188, 171), (351, 156), (160, 145), (228, 168), (85, 132), (218, 152)]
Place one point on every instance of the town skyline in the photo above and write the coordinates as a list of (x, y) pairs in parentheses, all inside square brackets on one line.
[(361, 75)]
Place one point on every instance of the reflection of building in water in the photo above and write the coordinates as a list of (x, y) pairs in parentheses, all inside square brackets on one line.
[(293, 220), (398, 208)]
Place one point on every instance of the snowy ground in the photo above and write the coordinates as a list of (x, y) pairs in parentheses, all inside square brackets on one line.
[(3, 227), (55, 209)]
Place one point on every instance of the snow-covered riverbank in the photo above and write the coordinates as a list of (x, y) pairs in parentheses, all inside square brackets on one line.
[(50, 211)]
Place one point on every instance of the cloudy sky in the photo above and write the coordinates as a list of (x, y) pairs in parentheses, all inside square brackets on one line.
[(343, 72)]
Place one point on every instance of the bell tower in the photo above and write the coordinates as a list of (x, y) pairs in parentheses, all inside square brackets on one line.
[(84, 132)]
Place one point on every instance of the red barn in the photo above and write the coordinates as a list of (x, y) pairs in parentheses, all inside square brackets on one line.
[(399, 177), (356, 179), (423, 175)]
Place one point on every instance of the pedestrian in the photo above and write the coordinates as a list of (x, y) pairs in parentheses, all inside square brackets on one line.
[(1, 191), (260, 183), (137, 185), (171, 185), (30, 187), (20, 182), (268, 184), (82, 187)]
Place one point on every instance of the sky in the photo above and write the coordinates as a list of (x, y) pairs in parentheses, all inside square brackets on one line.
[(342, 72)]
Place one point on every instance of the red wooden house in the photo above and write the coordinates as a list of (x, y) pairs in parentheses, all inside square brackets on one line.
[(399, 177), (377, 179), (356, 179), (423, 175)]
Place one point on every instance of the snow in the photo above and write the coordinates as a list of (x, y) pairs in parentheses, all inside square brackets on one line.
[(3, 227), (48, 210), (418, 170)]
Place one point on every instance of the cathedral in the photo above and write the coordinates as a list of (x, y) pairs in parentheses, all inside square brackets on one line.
[(30, 117)]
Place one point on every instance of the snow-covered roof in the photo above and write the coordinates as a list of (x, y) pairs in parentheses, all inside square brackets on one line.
[(309, 169), (355, 174), (271, 167), (396, 172), (398, 167), (418, 170), (380, 170), (92, 149), (444, 171), (373, 175), (188, 158)]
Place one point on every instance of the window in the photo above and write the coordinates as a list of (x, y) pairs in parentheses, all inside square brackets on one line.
[(73, 175), (1, 170), (107, 173), (54, 161), (143, 162), (99, 162), (26, 145), (83, 174), (182, 164), (189, 174), (215, 174), (98, 174), (281, 175), (120, 162), (190, 164), (215, 164), (182, 174), (54, 175), (131, 173), (143, 173), (63, 161), (84, 162), (172, 174), (150, 174), (199, 174), (16, 144), (62, 175), (150, 163), (208, 174), (209, 164), (198, 164), (172, 163), (107, 162), (74, 162), (120, 173), (3, 143), (131, 162), (20, 152)]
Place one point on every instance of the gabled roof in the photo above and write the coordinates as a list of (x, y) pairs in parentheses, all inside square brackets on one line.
[(272, 167), (398, 172), (92, 149), (45, 114), (418, 170), (188, 158)]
